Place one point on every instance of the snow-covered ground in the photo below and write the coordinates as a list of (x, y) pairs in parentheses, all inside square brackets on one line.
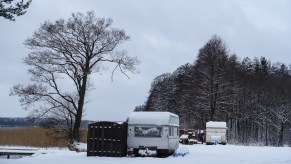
[(198, 154)]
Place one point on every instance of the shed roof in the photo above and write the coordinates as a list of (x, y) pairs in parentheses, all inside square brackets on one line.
[(153, 118)]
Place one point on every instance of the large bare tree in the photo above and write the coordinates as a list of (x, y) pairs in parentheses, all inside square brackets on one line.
[(63, 55), (213, 85)]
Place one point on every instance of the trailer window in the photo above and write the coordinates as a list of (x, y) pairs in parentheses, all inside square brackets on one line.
[(148, 131), (173, 131), (176, 131)]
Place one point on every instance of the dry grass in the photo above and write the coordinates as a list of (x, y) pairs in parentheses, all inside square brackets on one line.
[(35, 137)]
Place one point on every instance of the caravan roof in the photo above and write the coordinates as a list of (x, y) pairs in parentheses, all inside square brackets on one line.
[(214, 124), (153, 118)]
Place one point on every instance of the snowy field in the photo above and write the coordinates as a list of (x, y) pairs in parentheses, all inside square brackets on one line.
[(198, 154)]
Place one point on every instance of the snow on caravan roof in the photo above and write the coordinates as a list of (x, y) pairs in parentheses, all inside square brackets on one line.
[(213, 124), (153, 118)]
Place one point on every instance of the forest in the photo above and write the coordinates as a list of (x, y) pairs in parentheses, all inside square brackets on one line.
[(252, 95)]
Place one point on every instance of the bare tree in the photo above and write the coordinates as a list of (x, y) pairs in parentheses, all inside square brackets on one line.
[(63, 56), (8, 11), (213, 84)]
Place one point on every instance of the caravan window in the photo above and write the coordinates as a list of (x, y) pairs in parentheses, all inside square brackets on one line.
[(174, 131), (140, 131)]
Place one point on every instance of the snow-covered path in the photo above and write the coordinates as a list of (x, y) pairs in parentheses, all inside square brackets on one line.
[(200, 154)]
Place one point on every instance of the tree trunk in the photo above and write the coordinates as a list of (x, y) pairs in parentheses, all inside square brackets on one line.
[(82, 93), (76, 131), (266, 135), (281, 134)]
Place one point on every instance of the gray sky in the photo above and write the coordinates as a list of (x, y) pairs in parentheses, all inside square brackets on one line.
[(165, 34)]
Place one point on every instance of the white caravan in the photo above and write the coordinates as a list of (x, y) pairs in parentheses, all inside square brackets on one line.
[(216, 133), (156, 130)]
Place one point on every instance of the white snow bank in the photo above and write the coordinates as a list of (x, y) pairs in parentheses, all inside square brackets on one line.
[(198, 153), (81, 146)]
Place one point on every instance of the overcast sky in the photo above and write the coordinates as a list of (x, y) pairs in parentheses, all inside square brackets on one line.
[(165, 34)]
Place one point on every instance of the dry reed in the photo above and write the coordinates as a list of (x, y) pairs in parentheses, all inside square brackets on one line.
[(35, 137)]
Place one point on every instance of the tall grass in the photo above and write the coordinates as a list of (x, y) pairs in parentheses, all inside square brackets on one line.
[(35, 137)]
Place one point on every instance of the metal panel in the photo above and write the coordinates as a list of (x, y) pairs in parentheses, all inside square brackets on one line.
[(107, 139)]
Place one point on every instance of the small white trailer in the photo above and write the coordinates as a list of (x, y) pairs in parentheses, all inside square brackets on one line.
[(216, 133), (153, 130)]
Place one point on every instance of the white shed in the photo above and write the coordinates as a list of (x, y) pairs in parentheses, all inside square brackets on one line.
[(153, 129)]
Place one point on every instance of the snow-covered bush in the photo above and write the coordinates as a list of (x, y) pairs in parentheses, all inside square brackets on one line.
[(78, 147)]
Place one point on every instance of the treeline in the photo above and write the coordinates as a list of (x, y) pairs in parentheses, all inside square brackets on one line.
[(8, 122), (17, 122), (252, 95)]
